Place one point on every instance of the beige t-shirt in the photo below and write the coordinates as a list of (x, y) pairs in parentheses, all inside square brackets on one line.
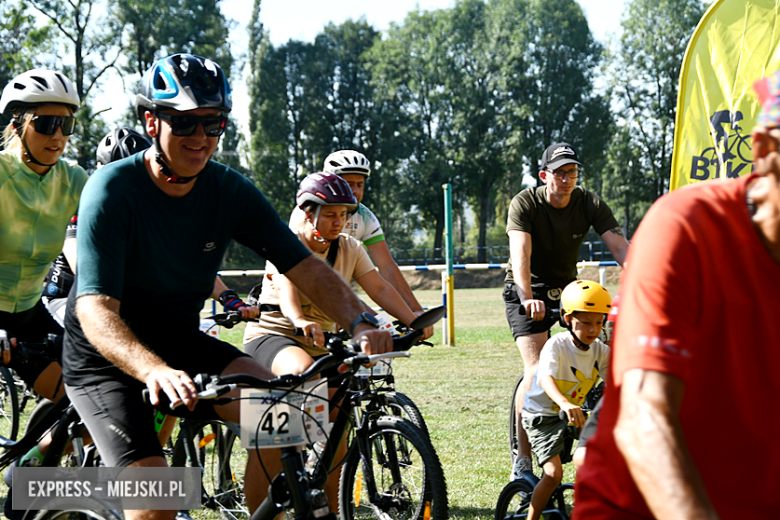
[(352, 262)]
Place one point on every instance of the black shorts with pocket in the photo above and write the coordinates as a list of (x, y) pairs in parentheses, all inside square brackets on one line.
[(520, 324), (122, 424), (32, 325)]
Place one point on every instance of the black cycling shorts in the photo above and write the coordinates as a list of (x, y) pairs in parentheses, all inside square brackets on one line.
[(264, 350), (519, 323), (32, 325), (122, 424)]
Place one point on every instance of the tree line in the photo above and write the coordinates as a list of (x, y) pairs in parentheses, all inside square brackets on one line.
[(469, 95)]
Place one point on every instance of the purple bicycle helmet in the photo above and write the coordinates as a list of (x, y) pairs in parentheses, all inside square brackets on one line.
[(325, 189)]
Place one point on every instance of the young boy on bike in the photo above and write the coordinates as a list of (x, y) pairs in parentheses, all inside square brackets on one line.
[(570, 365)]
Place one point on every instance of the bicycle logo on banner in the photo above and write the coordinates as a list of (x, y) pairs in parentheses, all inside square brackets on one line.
[(732, 151)]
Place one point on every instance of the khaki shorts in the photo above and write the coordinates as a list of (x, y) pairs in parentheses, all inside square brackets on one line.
[(546, 435)]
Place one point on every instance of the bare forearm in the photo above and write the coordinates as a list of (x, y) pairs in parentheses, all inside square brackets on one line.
[(219, 288), (397, 280), (326, 290), (522, 277), (520, 251), (380, 254), (388, 298), (551, 389), (289, 301), (111, 336), (649, 435)]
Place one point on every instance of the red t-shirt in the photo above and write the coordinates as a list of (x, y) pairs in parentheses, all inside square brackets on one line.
[(700, 300)]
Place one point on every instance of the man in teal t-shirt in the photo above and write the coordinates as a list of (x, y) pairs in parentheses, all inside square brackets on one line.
[(153, 229)]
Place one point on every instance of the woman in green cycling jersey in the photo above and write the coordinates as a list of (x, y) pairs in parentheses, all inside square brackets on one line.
[(39, 193)]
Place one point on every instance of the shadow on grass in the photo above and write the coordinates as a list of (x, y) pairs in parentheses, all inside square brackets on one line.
[(481, 513)]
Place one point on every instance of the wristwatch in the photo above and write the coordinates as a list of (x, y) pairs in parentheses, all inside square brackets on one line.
[(366, 318)]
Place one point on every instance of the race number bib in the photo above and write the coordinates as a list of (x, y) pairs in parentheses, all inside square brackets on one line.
[(277, 418), (386, 323)]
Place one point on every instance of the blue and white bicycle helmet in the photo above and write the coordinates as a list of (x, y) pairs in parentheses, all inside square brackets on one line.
[(183, 82)]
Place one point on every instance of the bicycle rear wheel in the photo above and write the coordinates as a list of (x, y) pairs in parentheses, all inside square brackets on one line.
[(514, 500), (407, 473), (9, 405)]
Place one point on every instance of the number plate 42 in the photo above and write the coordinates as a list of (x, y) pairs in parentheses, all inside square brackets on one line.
[(284, 417)]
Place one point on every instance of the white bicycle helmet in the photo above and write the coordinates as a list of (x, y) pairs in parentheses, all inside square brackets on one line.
[(38, 87), (347, 162)]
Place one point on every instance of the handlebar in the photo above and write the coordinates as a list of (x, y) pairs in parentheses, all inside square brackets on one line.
[(51, 347), (228, 319), (215, 386), (550, 314)]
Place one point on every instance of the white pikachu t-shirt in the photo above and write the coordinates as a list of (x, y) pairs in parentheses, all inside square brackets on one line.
[(575, 372)]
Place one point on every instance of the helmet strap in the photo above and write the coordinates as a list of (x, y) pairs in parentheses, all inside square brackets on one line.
[(317, 235), (172, 176), (577, 342), (29, 157)]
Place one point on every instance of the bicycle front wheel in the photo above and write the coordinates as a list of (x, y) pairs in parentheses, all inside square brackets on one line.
[(77, 514), (514, 500), (399, 479), (400, 405), (9, 405), (227, 477), (513, 420)]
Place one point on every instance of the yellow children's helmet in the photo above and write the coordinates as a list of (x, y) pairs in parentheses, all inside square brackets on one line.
[(586, 296)]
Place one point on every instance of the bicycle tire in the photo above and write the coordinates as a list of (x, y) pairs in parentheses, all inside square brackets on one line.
[(512, 420), (77, 514), (37, 413), (9, 405), (400, 447), (400, 405), (224, 483), (514, 500)]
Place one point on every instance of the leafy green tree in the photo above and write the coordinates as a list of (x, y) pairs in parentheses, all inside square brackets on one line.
[(562, 61), (162, 27), (22, 44), (644, 73), (89, 41), (409, 67)]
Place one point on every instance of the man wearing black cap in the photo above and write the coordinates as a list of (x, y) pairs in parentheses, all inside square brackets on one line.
[(546, 227)]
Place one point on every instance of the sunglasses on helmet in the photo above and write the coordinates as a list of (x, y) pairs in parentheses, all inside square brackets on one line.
[(47, 125), (183, 126)]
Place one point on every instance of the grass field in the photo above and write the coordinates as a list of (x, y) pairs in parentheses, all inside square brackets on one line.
[(464, 393)]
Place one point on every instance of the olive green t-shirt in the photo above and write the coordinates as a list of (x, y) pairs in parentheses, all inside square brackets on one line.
[(556, 234)]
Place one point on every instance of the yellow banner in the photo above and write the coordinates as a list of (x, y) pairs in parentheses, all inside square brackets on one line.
[(735, 43)]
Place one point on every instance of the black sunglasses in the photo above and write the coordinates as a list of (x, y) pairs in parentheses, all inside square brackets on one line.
[(47, 125), (184, 126)]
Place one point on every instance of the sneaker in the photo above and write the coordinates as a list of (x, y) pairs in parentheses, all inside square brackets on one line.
[(521, 464), (183, 515), (8, 477)]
